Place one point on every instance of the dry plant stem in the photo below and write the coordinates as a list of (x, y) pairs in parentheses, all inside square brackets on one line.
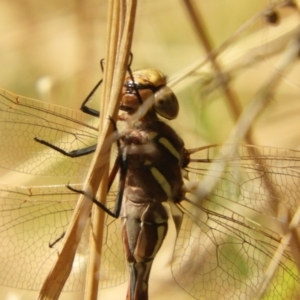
[(196, 19), (232, 100), (241, 129), (271, 50), (57, 277), (229, 94), (98, 215), (285, 241), (250, 113), (295, 245), (258, 17), (95, 244)]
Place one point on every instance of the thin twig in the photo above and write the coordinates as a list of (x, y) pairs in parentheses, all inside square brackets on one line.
[(250, 113)]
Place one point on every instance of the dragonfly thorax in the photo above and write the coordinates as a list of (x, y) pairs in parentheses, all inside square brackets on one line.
[(155, 154)]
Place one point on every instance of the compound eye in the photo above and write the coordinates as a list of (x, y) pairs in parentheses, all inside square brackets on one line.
[(166, 103), (148, 77)]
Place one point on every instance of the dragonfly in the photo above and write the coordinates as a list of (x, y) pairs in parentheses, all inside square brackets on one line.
[(225, 242)]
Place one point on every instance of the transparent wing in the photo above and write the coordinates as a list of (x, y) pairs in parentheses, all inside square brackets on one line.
[(30, 220), (113, 264), (228, 241), (22, 119)]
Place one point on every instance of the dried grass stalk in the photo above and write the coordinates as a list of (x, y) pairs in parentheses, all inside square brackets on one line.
[(120, 31)]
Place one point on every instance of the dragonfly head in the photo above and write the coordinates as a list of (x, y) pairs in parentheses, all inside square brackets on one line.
[(150, 84)]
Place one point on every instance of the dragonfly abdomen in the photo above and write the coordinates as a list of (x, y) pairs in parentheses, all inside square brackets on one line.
[(144, 227)]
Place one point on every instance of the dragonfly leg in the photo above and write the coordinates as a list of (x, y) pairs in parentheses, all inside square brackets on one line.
[(116, 212), (120, 163), (90, 111), (84, 108), (144, 228), (74, 153), (52, 244), (78, 152)]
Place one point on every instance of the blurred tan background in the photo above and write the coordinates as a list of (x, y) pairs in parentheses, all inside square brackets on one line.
[(50, 50)]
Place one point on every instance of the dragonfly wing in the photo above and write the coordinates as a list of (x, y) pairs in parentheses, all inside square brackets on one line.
[(228, 240), (113, 264), (225, 256), (262, 179), (22, 119), (30, 220)]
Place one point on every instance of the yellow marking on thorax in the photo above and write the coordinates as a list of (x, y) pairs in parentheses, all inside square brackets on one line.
[(162, 181), (152, 135), (165, 142), (170, 147)]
